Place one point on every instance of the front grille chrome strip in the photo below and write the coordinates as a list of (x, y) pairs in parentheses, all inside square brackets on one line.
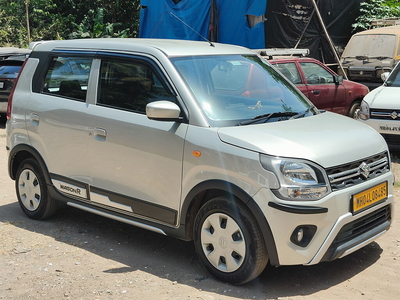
[(351, 174)]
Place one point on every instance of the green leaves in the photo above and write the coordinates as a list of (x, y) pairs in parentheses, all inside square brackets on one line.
[(375, 10), (65, 19)]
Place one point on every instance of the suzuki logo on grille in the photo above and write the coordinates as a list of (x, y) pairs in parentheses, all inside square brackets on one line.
[(364, 170), (394, 115), (361, 72)]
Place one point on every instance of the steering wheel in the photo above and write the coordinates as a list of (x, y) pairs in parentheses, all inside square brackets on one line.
[(314, 78)]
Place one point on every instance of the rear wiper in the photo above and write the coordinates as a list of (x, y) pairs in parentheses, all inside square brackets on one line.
[(303, 114), (266, 117)]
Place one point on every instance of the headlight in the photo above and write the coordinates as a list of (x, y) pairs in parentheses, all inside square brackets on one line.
[(299, 179), (364, 111)]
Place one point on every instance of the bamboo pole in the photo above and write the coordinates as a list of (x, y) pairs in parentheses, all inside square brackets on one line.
[(328, 37)]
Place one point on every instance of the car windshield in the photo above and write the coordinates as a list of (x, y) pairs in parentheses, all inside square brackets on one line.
[(394, 78), (232, 89), (370, 46)]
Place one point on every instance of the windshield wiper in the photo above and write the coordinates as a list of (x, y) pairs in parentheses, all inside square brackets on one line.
[(303, 114), (266, 117)]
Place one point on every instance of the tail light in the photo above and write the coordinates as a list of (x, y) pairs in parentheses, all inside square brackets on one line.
[(10, 97)]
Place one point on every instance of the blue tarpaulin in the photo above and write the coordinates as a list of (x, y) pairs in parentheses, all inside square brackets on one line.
[(224, 21)]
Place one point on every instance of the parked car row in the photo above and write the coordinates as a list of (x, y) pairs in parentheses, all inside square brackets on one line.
[(379, 108)]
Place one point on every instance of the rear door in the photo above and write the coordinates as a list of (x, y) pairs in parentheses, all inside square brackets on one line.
[(56, 122), (290, 69)]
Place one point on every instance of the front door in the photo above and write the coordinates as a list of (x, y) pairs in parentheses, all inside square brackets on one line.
[(136, 163)]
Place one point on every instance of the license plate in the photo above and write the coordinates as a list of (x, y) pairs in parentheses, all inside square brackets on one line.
[(367, 198), (1, 84)]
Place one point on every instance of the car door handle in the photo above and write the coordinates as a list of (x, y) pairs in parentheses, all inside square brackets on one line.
[(34, 119), (316, 92), (100, 134)]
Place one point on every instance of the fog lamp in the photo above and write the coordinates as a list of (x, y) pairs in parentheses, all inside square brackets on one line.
[(303, 235)]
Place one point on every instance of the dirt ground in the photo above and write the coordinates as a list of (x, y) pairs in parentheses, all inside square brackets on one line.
[(77, 255)]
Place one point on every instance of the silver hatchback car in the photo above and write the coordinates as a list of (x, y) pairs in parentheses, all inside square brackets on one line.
[(203, 142)]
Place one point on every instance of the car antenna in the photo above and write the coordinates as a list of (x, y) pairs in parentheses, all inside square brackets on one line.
[(211, 44)]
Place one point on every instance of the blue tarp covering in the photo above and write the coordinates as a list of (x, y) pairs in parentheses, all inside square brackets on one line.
[(223, 21)]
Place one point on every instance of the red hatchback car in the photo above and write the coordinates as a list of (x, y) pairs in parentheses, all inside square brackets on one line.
[(326, 89)]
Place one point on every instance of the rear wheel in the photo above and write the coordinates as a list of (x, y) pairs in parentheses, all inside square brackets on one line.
[(229, 242), (32, 192)]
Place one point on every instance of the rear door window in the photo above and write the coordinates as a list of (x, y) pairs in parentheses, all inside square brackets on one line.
[(289, 70), (68, 77)]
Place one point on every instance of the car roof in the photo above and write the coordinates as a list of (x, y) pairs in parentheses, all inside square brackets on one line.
[(169, 47), (9, 51), (381, 30)]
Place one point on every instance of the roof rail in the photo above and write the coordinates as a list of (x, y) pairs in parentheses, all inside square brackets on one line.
[(282, 52), (386, 22)]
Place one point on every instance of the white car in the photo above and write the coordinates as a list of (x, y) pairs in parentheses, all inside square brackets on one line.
[(381, 108)]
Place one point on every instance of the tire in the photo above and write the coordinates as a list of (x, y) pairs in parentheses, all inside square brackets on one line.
[(229, 242), (33, 195), (354, 111)]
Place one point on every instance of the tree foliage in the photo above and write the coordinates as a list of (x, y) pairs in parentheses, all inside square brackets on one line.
[(65, 19), (374, 10)]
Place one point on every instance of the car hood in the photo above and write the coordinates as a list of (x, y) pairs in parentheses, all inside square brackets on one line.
[(385, 97), (328, 139)]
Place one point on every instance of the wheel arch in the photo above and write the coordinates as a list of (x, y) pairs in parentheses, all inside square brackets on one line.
[(210, 189), (356, 100), (21, 152)]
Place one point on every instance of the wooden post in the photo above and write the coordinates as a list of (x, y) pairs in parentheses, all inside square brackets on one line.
[(27, 21)]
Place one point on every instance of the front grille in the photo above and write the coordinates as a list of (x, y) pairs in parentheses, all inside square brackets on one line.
[(362, 73), (385, 114), (362, 225), (354, 173), (358, 231)]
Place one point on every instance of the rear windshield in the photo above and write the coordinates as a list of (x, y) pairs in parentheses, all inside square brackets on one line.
[(371, 45), (9, 71)]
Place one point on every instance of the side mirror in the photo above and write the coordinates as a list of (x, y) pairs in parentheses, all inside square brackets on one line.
[(163, 111), (339, 79), (385, 76)]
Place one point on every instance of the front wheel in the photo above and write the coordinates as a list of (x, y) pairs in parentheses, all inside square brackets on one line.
[(32, 192), (229, 242), (354, 111)]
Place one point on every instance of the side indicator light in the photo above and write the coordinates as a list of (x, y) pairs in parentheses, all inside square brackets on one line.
[(196, 153)]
